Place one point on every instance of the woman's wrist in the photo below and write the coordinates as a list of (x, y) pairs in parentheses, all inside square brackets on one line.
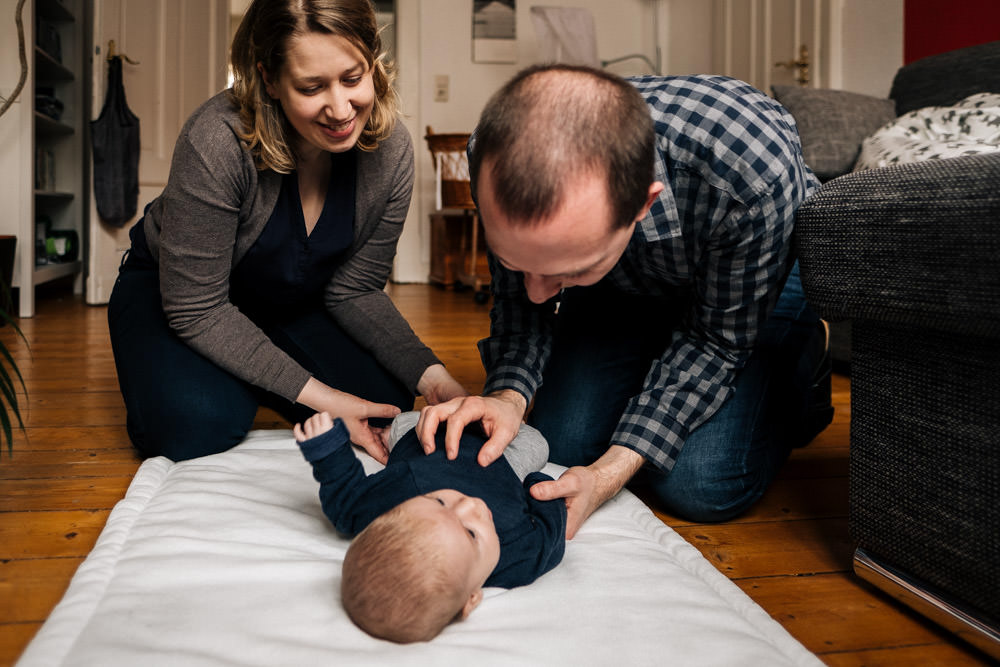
[(321, 397), (437, 385)]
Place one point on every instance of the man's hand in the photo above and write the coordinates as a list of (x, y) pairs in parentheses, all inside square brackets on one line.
[(500, 415), (586, 488)]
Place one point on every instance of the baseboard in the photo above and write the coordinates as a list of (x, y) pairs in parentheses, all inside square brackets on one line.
[(915, 594)]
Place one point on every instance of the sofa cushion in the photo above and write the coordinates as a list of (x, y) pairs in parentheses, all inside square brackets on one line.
[(946, 78), (970, 127), (832, 124)]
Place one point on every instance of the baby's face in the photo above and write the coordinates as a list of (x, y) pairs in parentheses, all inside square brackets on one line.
[(465, 531)]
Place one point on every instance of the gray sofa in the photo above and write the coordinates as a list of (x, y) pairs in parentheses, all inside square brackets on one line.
[(910, 254)]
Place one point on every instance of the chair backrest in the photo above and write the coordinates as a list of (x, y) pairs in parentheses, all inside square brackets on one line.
[(946, 78), (451, 169)]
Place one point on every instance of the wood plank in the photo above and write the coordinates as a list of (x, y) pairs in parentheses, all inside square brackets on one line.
[(88, 438), (741, 550), (71, 463), (839, 612), (812, 463), (88, 493), (76, 415), (29, 589), (14, 638), (49, 534), (935, 655)]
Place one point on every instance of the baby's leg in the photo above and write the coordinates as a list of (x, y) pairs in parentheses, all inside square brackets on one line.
[(528, 452), (401, 424)]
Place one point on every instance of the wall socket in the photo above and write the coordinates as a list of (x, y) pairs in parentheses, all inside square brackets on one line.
[(441, 84)]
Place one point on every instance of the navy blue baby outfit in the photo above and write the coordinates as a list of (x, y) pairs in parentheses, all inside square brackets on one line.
[(532, 532)]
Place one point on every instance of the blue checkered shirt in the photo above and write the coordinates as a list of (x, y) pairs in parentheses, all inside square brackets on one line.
[(731, 161)]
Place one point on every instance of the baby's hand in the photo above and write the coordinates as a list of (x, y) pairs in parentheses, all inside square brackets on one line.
[(321, 422)]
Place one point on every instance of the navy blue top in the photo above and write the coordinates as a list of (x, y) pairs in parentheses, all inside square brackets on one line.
[(532, 532), (286, 270)]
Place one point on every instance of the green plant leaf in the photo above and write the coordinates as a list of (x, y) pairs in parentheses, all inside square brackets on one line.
[(8, 388)]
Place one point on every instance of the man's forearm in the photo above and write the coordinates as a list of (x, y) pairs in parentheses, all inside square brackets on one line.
[(613, 471)]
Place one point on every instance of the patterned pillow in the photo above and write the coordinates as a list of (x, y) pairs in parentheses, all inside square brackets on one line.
[(832, 124), (970, 127)]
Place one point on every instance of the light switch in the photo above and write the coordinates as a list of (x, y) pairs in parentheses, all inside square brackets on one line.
[(441, 82)]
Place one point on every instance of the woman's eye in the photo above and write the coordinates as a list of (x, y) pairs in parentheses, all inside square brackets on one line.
[(352, 81)]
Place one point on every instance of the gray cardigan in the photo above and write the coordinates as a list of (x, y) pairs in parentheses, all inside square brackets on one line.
[(216, 204)]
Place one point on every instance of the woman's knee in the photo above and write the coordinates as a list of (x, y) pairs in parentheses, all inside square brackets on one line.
[(187, 425)]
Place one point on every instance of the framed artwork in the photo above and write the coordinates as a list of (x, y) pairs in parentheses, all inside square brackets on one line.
[(494, 31)]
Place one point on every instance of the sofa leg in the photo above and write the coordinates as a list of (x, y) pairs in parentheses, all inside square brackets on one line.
[(913, 593)]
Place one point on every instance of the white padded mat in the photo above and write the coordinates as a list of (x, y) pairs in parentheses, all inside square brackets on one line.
[(228, 560)]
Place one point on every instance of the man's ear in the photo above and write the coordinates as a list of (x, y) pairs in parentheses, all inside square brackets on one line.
[(655, 188), (267, 81), (472, 603)]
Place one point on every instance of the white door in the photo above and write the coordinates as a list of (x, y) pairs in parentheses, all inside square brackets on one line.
[(751, 36), (180, 47)]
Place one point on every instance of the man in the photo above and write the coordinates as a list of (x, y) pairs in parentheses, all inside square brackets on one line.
[(640, 240)]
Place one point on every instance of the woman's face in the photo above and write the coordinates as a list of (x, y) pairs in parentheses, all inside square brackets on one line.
[(326, 91)]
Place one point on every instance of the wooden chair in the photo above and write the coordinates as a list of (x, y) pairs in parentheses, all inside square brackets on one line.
[(453, 191)]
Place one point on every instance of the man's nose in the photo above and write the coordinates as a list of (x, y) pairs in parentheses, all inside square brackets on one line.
[(540, 288)]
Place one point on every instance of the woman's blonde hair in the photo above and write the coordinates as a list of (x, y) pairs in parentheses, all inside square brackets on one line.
[(263, 37)]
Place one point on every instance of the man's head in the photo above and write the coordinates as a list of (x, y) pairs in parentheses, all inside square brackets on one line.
[(420, 566), (562, 166)]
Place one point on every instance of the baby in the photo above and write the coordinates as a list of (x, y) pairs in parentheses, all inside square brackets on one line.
[(431, 533)]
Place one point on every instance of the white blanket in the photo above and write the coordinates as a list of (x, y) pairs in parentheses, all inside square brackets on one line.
[(228, 560)]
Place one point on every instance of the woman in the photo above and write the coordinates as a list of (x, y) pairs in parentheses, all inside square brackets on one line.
[(257, 276)]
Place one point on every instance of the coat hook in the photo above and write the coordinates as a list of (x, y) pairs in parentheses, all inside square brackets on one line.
[(112, 55)]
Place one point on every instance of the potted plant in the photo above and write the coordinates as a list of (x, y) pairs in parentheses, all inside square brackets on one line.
[(8, 372)]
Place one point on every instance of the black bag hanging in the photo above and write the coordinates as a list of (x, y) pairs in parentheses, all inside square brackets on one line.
[(115, 139)]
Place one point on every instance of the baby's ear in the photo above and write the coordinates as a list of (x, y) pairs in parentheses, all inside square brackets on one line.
[(472, 603)]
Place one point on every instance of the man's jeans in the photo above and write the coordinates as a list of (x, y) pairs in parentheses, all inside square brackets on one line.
[(603, 346)]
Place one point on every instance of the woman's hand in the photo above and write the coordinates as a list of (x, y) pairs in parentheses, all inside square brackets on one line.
[(437, 385), (354, 412)]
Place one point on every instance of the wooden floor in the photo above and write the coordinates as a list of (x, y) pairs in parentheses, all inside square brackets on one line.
[(791, 553)]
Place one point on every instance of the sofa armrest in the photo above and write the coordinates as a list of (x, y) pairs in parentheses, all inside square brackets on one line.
[(911, 244)]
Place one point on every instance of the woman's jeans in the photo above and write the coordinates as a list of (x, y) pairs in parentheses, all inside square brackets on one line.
[(182, 405), (603, 346)]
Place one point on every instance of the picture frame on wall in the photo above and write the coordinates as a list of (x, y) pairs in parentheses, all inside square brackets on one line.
[(494, 31)]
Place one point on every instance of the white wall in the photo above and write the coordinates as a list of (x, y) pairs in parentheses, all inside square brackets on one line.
[(15, 146), (871, 46)]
